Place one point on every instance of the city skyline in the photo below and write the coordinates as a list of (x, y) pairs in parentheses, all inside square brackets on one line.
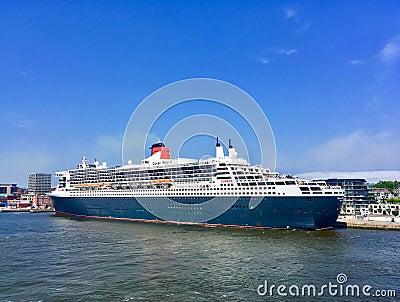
[(325, 74)]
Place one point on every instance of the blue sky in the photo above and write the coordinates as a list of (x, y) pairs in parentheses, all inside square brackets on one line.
[(326, 74)]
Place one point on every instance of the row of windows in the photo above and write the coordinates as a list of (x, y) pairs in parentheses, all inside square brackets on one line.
[(118, 174), (138, 171), (173, 195)]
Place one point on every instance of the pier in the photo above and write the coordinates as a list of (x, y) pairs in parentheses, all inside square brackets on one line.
[(25, 210), (364, 224)]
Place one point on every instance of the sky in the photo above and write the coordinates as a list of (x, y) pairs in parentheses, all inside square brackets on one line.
[(325, 73)]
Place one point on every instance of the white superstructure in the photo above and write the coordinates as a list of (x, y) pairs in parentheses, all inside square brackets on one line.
[(159, 175)]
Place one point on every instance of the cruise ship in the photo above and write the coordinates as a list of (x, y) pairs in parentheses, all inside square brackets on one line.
[(224, 190)]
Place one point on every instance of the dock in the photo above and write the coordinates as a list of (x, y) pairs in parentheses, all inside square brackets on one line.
[(22, 210), (364, 224)]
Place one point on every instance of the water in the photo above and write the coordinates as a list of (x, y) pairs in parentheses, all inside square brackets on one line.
[(48, 258)]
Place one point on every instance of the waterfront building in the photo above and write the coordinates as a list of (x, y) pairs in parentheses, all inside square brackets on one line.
[(386, 209), (41, 201), (7, 197), (358, 195), (396, 193), (27, 197), (382, 194), (3, 200), (8, 188), (39, 183)]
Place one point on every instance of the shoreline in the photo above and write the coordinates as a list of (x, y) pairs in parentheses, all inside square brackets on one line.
[(362, 224), (26, 210)]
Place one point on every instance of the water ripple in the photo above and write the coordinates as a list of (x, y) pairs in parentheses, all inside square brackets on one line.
[(47, 258)]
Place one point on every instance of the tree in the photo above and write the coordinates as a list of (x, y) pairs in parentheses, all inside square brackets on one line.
[(390, 185)]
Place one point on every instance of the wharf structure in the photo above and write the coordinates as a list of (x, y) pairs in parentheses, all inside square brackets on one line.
[(8, 188)]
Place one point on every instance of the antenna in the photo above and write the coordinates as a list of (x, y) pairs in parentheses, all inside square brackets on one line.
[(232, 151), (219, 151)]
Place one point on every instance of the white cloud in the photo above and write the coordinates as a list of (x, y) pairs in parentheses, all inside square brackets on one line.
[(274, 52), (25, 124), (355, 62), (17, 162), (16, 119), (374, 102), (22, 126), (22, 73), (357, 151), (283, 51), (303, 26), (391, 51), (109, 148), (289, 52), (290, 13), (370, 176)]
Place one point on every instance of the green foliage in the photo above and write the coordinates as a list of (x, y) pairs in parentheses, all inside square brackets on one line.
[(395, 213), (393, 200), (390, 185)]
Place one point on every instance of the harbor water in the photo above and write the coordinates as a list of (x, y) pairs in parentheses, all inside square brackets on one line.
[(50, 258)]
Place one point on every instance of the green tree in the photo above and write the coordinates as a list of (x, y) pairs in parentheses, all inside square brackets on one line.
[(390, 185), (393, 200)]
